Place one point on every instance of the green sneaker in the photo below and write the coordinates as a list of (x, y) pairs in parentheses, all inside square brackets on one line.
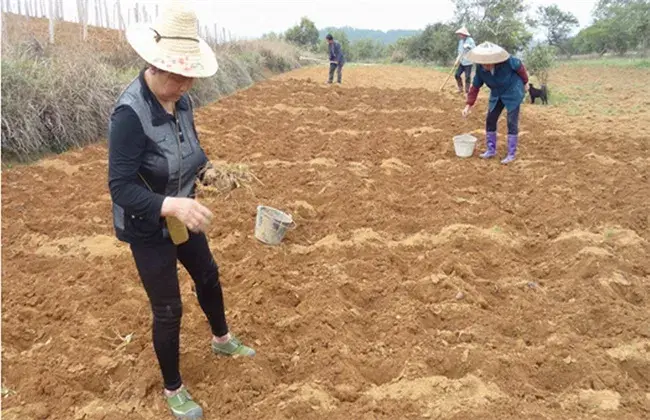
[(232, 347), (183, 407)]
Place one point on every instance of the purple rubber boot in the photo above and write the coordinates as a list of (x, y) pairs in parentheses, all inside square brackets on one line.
[(491, 142), (512, 148)]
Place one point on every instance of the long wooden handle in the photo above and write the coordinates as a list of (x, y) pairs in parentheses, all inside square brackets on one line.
[(452, 70)]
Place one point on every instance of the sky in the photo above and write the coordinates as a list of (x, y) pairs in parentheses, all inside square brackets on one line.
[(252, 18)]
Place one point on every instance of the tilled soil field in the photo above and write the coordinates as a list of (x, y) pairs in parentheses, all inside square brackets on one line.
[(416, 284)]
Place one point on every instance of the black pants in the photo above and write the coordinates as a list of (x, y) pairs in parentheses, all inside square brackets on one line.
[(339, 68), (158, 271), (468, 75), (493, 117)]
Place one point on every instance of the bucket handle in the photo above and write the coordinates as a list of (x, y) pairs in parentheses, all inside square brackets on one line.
[(293, 225)]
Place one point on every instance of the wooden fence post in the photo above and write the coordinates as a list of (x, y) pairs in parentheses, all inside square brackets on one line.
[(98, 13), (107, 15), (51, 16), (120, 19), (84, 4)]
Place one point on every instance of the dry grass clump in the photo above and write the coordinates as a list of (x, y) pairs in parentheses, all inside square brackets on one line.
[(54, 99), (273, 55), (222, 177)]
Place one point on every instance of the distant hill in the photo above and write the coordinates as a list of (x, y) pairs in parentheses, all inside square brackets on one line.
[(389, 37)]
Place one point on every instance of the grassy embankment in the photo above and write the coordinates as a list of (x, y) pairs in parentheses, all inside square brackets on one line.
[(57, 97)]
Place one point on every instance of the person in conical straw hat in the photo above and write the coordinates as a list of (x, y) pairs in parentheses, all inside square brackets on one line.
[(506, 77), (154, 160), (465, 44)]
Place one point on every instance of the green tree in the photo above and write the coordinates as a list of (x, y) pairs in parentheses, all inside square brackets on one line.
[(540, 59), (305, 34), (504, 22), (398, 52), (558, 25), (436, 43), (620, 25), (628, 22), (593, 39), (367, 49)]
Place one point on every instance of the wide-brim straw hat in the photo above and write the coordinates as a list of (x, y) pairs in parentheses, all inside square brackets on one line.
[(487, 53), (463, 31), (173, 44)]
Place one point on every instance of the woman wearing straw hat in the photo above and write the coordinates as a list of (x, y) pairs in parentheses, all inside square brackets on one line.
[(154, 160), (465, 44), (506, 77)]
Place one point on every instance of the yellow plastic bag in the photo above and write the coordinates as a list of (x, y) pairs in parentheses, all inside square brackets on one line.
[(177, 230)]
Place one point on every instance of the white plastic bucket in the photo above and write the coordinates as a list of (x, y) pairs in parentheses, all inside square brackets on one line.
[(464, 145), (272, 224)]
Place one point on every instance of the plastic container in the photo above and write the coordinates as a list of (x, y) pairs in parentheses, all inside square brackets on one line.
[(177, 230), (272, 224), (464, 145)]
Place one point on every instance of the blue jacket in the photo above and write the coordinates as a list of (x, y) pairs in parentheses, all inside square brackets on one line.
[(464, 45), (336, 52), (505, 83)]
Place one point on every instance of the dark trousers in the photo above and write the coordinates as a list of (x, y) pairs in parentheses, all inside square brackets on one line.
[(468, 75), (339, 68), (493, 117), (156, 265)]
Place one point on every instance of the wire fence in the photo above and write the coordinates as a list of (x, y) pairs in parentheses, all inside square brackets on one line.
[(103, 13)]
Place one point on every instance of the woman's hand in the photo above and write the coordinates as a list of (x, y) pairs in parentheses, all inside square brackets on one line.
[(467, 111), (190, 212)]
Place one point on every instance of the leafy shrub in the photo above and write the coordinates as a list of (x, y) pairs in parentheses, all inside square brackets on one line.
[(540, 59)]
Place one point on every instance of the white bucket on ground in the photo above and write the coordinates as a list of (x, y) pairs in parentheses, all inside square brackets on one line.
[(464, 145), (272, 224)]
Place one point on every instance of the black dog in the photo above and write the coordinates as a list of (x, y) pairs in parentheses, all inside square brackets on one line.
[(538, 93)]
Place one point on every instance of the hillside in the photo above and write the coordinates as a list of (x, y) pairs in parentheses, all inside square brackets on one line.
[(18, 29), (55, 80), (388, 37)]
